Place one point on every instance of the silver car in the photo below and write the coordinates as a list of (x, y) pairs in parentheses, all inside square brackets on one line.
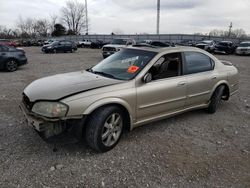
[(133, 87), (243, 48)]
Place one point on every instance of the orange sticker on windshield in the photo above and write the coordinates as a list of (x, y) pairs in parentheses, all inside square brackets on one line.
[(133, 69)]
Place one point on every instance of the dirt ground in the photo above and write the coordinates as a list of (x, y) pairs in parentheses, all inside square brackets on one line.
[(194, 149)]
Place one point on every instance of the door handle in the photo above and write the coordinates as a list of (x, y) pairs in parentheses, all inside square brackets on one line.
[(182, 83)]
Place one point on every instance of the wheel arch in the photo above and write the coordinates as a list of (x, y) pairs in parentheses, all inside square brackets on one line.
[(226, 92), (116, 102)]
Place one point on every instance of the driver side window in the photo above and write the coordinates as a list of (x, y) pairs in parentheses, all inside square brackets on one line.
[(169, 65)]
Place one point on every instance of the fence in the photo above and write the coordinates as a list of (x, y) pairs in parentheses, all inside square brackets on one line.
[(176, 38)]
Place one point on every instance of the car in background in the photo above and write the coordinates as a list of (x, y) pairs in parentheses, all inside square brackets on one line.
[(155, 43), (225, 47), (11, 58), (132, 87), (187, 42), (243, 48), (98, 44), (8, 42), (116, 45), (59, 46), (49, 41), (207, 45), (85, 43)]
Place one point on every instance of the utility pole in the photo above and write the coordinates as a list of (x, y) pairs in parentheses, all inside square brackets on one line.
[(158, 17), (230, 29), (87, 25)]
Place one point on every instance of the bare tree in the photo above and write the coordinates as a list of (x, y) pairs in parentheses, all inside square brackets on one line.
[(74, 16), (41, 27)]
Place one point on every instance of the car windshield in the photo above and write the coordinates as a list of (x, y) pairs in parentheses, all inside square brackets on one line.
[(123, 65), (245, 44), (119, 41)]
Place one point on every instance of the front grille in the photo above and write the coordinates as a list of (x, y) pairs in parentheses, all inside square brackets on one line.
[(108, 49), (26, 101)]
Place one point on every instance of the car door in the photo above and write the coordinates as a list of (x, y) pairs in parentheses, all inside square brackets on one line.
[(201, 77), (166, 93)]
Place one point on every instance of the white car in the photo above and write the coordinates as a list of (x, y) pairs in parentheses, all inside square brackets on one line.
[(116, 45), (84, 43), (243, 48), (207, 45)]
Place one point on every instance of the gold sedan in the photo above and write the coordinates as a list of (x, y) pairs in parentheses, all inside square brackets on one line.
[(128, 89)]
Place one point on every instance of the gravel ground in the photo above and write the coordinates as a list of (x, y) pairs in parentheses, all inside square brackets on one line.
[(194, 149)]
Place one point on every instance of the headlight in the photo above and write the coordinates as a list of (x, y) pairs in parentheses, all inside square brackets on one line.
[(49, 47), (50, 109)]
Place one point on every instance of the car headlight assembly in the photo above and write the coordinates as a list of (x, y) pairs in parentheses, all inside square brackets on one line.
[(50, 109)]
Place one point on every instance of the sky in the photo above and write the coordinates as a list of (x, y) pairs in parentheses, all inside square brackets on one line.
[(139, 16)]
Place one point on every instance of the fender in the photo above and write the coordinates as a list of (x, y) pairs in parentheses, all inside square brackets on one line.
[(107, 101)]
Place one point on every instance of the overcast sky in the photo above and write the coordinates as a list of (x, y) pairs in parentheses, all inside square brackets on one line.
[(139, 16)]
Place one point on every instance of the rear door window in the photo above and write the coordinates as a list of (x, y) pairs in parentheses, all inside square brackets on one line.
[(197, 62)]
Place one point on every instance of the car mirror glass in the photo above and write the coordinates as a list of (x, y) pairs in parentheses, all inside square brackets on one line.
[(147, 78)]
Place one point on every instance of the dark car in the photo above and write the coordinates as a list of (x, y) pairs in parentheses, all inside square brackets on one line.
[(98, 44), (156, 43), (59, 46), (11, 58), (225, 47), (187, 42)]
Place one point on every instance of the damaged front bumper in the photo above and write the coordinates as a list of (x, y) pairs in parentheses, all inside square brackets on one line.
[(48, 128)]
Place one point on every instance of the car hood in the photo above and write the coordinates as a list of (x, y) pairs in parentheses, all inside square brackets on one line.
[(62, 85), (114, 45)]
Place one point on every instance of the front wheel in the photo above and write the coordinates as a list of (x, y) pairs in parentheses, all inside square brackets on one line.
[(104, 128), (216, 99), (11, 65)]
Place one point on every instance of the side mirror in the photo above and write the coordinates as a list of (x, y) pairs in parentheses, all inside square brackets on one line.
[(147, 78)]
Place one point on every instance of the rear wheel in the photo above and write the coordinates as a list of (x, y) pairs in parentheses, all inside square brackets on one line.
[(104, 128), (216, 99), (11, 65)]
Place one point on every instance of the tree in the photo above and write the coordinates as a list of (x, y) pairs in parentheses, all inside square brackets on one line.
[(41, 27), (74, 16), (59, 30)]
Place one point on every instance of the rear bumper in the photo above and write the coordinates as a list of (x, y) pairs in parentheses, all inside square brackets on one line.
[(22, 62)]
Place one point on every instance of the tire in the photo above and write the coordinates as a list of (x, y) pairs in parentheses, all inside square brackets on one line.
[(215, 99), (104, 128), (11, 65)]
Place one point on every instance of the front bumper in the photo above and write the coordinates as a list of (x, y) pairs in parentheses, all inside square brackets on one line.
[(52, 127), (241, 52)]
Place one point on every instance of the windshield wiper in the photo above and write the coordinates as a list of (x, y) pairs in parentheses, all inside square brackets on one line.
[(103, 74)]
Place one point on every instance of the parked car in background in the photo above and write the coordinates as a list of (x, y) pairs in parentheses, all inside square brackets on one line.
[(243, 48), (49, 41), (207, 45), (60, 46), (85, 43), (11, 58), (187, 42), (133, 87), (225, 47), (116, 45), (8, 42), (155, 43), (98, 44)]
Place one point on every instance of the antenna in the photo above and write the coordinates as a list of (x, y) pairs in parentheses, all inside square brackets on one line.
[(158, 17), (87, 25)]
